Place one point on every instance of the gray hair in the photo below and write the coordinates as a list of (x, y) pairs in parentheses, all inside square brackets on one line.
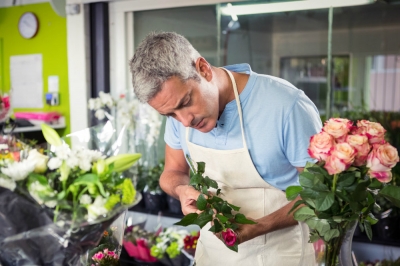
[(159, 57)]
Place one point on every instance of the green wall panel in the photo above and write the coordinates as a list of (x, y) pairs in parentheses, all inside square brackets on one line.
[(50, 41)]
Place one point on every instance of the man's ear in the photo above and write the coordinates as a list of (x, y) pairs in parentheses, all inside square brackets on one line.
[(204, 68)]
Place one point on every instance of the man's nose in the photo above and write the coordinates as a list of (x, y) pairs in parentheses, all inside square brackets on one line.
[(185, 118)]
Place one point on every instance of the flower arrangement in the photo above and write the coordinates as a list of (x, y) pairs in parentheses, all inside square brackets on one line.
[(70, 193), (225, 216), (105, 258), (190, 242), (169, 242), (137, 243), (352, 170)]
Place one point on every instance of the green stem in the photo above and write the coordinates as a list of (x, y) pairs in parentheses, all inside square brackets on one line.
[(335, 178)]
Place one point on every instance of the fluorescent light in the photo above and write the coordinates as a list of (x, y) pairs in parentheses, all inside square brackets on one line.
[(249, 9), (231, 12)]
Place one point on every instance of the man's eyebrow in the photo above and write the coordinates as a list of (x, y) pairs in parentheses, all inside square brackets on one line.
[(178, 106)]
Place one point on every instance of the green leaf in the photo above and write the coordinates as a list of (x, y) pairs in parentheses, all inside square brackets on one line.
[(325, 201), (218, 191), (240, 218), (313, 238), (346, 179), (196, 179), (222, 218), (320, 187), (203, 219), (295, 205), (123, 162), (332, 233), (375, 184), (392, 193), (217, 225), (309, 193), (292, 192), (50, 135), (371, 219), (306, 179), (187, 219), (201, 202), (210, 182), (235, 208), (204, 190), (201, 166), (225, 208), (368, 229), (303, 214), (322, 226), (233, 248), (360, 193), (86, 179)]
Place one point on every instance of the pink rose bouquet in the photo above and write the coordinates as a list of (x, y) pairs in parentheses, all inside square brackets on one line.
[(353, 167)]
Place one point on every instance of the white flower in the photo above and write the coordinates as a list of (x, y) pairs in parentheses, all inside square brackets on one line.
[(94, 104), (7, 183), (72, 161), (85, 199), (39, 160), (54, 163), (19, 170), (106, 99), (85, 164), (100, 114), (63, 151), (97, 208)]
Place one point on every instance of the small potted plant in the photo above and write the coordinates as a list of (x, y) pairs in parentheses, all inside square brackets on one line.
[(148, 183)]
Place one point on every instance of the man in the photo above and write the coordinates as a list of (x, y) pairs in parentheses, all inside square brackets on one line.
[(251, 130)]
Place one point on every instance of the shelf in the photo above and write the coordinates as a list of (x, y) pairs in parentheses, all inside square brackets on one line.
[(59, 125), (376, 240)]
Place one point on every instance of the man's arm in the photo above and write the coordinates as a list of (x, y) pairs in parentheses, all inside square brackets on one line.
[(175, 180)]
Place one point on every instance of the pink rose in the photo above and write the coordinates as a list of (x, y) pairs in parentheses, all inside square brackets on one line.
[(382, 158), (361, 145), (98, 256), (383, 177), (374, 131), (229, 237), (342, 156), (337, 127), (320, 145)]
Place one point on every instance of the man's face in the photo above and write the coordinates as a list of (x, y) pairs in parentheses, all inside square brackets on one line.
[(192, 103)]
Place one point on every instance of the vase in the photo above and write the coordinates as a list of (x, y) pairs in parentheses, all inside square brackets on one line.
[(337, 251)]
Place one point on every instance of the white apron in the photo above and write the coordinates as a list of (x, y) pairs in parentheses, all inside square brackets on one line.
[(242, 186)]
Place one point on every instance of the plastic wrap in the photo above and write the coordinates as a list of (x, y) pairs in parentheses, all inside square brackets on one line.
[(28, 235)]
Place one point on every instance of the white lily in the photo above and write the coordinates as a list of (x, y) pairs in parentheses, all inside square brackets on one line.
[(97, 208), (7, 183)]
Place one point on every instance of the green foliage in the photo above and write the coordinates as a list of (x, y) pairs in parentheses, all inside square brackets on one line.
[(214, 209), (334, 202), (149, 178)]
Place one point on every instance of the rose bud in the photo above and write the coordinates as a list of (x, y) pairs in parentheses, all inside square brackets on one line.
[(361, 145), (384, 177), (229, 237), (382, 158), (340, 159)]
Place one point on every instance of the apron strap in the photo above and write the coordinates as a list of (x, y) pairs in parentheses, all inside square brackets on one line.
[(239, 107)]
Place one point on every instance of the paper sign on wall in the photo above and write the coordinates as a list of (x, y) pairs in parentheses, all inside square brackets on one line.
[(26, 81)]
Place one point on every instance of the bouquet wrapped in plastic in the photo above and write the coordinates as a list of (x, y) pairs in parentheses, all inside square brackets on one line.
[(55, 207)]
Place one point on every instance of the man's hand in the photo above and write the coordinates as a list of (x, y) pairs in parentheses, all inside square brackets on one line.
[(188, 197)]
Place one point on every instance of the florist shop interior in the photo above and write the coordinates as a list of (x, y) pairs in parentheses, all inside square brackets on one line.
[(67, 101)]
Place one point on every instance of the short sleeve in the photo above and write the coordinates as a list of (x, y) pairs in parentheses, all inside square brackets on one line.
[(171, 136), (302, 122)]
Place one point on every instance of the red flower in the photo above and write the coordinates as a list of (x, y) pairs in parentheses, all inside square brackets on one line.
[(229, 237)]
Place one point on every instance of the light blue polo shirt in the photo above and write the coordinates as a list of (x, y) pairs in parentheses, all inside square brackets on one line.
[(278, 118)]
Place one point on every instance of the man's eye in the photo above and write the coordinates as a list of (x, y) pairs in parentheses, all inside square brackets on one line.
[(187, 103)]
